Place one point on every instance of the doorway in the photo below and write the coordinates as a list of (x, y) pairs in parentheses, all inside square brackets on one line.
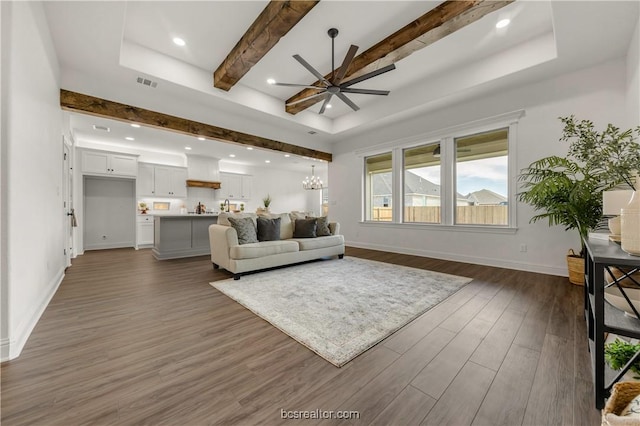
[(109, 213)]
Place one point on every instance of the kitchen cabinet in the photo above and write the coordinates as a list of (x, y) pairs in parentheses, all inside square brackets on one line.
[(144, 230), (155, 180), (170, 181), (235, 187), (144, 182), (109, 163)]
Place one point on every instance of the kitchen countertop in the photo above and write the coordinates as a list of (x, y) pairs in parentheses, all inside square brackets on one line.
[(174, 215)]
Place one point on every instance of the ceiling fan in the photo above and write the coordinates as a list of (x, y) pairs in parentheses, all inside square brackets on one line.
[(334, 86)]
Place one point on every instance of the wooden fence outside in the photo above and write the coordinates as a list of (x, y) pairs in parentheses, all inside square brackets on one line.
[(465, 215)]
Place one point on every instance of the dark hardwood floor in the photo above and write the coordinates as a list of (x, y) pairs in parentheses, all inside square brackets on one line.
[(129, 340)]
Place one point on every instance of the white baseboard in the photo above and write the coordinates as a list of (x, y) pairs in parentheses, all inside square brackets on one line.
[(12, 347), (476, 260)]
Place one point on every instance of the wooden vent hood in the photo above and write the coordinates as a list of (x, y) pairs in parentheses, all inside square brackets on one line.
[(203, 184)]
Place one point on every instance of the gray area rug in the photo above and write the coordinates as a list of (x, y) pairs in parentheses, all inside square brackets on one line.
[(341, 308)]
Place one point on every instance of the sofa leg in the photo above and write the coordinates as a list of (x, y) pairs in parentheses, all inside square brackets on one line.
[(215, 266), (340, 256), (236, 276)]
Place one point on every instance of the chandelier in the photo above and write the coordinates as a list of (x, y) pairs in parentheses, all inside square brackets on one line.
[(314, 182)]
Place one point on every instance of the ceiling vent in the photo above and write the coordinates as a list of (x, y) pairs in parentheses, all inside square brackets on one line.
[(312, 132), (147, 82), (103, 128)]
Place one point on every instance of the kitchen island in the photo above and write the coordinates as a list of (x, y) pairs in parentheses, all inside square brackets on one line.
[(181, 235)]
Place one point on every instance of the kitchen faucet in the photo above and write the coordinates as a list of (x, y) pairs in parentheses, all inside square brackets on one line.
[(226, 203)]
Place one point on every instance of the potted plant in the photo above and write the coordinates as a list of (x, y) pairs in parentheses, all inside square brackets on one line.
[(143, 207), (266, 201), (568, 190), (618, 353)]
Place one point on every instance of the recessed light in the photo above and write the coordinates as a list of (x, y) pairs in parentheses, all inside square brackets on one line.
[(271, 81), (250, 148), (188, 148), (135, 125), (328, 106), (267, 161), (287, 155), (179, 41), (201, 138), (232, 155), (503, 23), (129, 138)]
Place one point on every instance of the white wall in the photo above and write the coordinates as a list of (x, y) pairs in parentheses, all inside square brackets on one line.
[(32, 185), (596, 93), (633, 79)]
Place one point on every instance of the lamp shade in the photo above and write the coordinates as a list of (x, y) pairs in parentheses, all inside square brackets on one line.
[(613, 201)]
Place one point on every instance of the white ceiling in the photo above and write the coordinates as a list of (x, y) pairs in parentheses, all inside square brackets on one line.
[(103, 46)]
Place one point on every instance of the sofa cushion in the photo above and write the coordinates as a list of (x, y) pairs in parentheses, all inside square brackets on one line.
[(223, 218), (286, 226), (268, 229), (245, 228), (264, 248), (322, 229), (320, 242), (305, 228)]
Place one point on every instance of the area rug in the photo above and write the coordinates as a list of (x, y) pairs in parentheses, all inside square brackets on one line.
[(341, 308)]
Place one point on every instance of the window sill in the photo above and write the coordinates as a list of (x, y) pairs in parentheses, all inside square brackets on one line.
[(440, 227)]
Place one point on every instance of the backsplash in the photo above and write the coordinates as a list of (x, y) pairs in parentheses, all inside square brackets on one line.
[(204, 196)]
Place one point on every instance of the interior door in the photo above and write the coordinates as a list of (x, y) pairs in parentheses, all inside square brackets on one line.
[(67, 210)]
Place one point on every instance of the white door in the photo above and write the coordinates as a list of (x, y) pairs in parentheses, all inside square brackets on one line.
[(67, 210)]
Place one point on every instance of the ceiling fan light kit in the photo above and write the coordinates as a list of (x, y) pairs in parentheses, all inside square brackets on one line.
[(335, 86)]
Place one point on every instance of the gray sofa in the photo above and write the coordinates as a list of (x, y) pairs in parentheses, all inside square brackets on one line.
[(237, 258)]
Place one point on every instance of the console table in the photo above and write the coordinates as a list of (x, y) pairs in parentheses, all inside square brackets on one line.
[(602, 317)]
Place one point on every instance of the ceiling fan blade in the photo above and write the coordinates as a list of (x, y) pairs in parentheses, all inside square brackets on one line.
[(345, 65), (368, 75), (325, 103), (365, 91), (347, 101), (299, 85), (308, 97), (311, 69)]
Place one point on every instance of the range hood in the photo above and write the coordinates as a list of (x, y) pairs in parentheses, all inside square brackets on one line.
[(203, 172), (203, 184)]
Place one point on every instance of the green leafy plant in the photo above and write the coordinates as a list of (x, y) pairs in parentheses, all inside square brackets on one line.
[(568, 190), (266, 201), (618, 353)]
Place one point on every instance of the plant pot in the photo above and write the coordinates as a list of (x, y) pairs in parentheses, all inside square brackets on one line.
[(575, 265)]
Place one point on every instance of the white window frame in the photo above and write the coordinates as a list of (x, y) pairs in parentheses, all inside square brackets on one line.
[(446, 138)]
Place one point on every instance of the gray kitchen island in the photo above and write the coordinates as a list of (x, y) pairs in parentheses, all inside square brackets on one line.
[(181, 235)]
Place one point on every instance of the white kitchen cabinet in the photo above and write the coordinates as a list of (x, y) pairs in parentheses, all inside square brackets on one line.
[(170, 181), (109, 163), (156, 180), (145, 181), (235, 187), (144, 230)]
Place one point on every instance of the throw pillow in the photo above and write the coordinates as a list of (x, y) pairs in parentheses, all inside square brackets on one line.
[(323, 226), (268, 229), (245, 228), (305, 228)]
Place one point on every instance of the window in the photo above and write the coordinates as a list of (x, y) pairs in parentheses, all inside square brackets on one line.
[(482, 178), (422, 184), (461, 176), (379, 188)]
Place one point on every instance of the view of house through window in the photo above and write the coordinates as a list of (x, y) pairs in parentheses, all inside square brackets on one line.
[(378, 188), (482, 179), (422, 184)]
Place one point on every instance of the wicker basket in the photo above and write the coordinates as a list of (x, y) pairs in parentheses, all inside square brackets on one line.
[(621, 395), (576, 268)]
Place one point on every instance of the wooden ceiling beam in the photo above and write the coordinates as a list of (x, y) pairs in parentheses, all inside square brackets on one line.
[(277, 18), (439, 22), (85, 104)]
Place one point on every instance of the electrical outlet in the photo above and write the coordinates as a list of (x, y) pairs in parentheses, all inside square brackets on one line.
[(523, 248)]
